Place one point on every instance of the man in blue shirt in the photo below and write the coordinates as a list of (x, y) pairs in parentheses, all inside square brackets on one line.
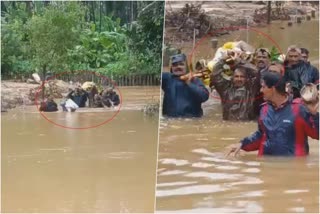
[(183, 93), (284, 124)]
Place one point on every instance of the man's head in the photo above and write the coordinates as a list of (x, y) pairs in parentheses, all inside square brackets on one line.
[(272, 84), (262, 57), (276, 68), (109, 90), (293, 55), (239, 77), (178, 64), (50, 98), (77, 90), (304, 54)]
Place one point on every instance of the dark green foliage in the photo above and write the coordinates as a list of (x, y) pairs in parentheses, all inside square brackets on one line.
[(114, 38), (274, 54)]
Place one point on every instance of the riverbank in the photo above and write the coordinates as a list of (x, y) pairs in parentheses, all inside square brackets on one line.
[(198, 18), (16, 95)]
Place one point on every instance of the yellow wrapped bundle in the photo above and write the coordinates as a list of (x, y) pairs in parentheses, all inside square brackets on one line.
[(87, 85)]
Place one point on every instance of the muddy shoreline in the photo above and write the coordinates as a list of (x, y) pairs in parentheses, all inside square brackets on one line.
[(183, 23), (16, 95)]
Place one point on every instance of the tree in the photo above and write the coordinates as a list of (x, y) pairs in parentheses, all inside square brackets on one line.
[(53, 33)]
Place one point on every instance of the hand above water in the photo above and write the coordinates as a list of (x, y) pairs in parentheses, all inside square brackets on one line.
[(234, 148), (313, 108), (187, 77)]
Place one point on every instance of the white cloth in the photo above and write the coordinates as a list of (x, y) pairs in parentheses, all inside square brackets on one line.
[(71, 105)]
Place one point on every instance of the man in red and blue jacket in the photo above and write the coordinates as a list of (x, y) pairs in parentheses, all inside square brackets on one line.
[(284, 124)]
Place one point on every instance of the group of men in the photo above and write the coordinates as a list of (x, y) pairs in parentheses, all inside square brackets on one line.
[(255, 89), (78, 97)]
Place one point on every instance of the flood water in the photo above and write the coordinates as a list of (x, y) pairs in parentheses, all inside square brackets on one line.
[(195, 176), (46, 168), (304, 35)]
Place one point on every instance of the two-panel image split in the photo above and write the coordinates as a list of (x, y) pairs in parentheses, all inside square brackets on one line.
[(159, 106)]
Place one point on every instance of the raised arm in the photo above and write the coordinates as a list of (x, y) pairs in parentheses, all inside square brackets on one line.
[(216, 79)]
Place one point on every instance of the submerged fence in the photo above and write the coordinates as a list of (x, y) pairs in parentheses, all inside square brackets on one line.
[(131, 80), (128, 80)]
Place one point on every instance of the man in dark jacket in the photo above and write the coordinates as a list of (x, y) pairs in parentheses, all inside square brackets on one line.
[(237, 92), (79, 96), (49, 105), (110, 97), (297, 72), (183, 93), (284, 124)]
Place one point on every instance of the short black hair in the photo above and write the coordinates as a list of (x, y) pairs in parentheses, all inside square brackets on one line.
[(305, 51), (263, 50), (272, 79)]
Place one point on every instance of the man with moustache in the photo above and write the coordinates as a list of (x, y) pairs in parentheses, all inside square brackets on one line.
[(183, 93), (305, 58), (284, 124), (238, 91), (262, 58), (297, 72)]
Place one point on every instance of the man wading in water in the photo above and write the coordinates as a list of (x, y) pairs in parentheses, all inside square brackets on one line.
[(237, 82), (284, 124), (183, 93)]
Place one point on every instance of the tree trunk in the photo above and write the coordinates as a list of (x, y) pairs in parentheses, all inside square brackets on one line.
[(46, 3), (131, 10), (44, 68), (92, 14), (14, 6), (3, 8), (100, 19), (29, 7)]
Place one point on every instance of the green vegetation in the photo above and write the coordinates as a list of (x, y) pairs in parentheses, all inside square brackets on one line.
[(112, 38)]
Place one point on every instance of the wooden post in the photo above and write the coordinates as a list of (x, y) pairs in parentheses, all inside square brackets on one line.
[(214, 43), (299, 20), (269, 12), (44, 80)]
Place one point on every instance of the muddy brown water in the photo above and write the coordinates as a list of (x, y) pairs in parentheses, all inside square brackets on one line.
[(46, 168), (303, 35), (195, 176)]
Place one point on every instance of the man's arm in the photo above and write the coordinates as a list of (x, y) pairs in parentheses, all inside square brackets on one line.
[(253, 142), (69, 95), (217, 80), (315, 75), (165, 76), (199, 89), (310, 121)]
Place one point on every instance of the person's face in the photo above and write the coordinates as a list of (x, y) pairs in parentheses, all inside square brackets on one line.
[(262, 59), (275, 68), (293, 57), (179, 68), (304, 57), (267, 92), (239, 78)]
